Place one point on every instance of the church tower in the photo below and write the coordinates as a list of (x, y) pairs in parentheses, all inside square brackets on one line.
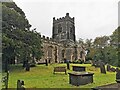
[(64, 29)]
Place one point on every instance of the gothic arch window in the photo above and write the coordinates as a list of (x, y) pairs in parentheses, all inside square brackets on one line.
[(71, 29), (59, 28), (63, 52), (53, 33), (53, 29), (50, 51), (68, 35)]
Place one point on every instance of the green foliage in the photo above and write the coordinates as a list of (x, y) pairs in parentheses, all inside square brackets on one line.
[(18, 41), (105, 48)]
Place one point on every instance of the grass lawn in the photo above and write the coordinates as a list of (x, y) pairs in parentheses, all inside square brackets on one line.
[(42, 76)]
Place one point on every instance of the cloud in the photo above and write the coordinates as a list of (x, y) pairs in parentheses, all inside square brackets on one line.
[(92, 17)]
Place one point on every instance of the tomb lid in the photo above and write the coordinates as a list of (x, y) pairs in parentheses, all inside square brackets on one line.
[(81, 73), (79, 66)]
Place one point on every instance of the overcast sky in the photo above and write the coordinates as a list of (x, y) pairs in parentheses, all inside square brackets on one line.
[(92, 17)]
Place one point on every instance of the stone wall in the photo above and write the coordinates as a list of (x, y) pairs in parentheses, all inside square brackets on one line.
[(55, 52)]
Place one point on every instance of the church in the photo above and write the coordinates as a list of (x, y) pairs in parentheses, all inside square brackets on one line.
[(63, 44)]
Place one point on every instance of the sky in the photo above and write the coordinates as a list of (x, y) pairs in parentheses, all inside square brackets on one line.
[(93, 18)]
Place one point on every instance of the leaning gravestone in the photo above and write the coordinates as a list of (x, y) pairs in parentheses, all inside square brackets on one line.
[(102, 68), (108, 67), (28, 67)]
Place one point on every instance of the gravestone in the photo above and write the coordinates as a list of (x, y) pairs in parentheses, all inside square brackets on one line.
[(78, 68), (112, 69), (102, 68), (117, 70), (5, 80), (68, 64), (46, 62), (28, 67), (49, 61), (20, 85), (108, 67)]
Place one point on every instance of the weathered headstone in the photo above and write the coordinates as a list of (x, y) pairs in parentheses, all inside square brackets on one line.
[(20, 85), (68, 64), (49, 61), (28, 67), (5, 80), (46, 62), (79, 68), (102, 68), (112, 69), (108, 67)]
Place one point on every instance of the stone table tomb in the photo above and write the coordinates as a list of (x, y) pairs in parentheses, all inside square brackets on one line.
[(80, 78)]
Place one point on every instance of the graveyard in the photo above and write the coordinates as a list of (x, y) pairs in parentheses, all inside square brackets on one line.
[(43, 76), (32, 60)]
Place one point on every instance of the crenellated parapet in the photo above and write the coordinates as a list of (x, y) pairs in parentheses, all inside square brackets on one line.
[(49, 40), (66, 18), (46, 38)]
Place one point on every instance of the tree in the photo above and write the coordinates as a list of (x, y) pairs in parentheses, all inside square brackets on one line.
[(18, 40), (80, 41), (88, 43)]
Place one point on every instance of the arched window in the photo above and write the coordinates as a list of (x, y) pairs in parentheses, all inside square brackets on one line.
[(71, 30), (59, 28)]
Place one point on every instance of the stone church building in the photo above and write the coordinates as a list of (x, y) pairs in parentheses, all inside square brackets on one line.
[(63, 44)]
